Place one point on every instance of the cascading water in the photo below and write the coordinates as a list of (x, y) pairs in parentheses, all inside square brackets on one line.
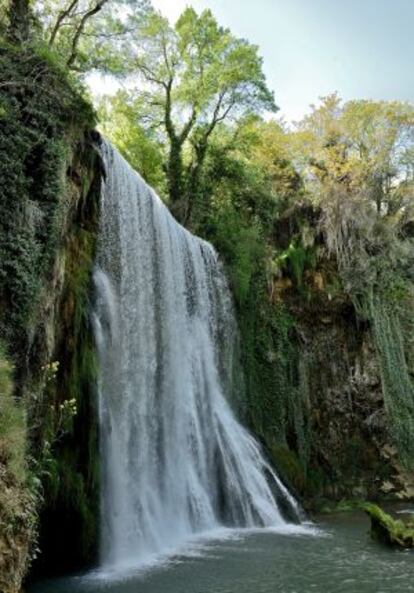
[(175, 459)]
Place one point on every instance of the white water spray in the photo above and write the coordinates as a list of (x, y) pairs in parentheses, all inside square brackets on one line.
[(176, 462)]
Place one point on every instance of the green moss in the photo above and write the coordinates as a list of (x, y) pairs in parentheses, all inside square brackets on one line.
[(72, 474), (276, 381), (387, 530), (240, 244), (12, 425), (290, 467)]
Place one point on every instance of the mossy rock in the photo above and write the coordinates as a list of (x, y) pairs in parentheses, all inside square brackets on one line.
[(289, 464), (387, 530)]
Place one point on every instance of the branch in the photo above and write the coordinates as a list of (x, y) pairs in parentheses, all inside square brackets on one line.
[(217, 118), (222, 117), (59, 21), (150, 75), (169, 126), (74, 50), (102, 35), (164, 51), (188, 126)]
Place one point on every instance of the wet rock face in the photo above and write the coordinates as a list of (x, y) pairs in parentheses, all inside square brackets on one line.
[(347, 413), (60, 335), (335, 442), (350, 450), (64, 338)]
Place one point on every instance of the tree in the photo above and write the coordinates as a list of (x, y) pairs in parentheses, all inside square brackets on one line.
[(81, 32), (357, 162), (76, 29), (192, 77), (364, 146), (75, 16)]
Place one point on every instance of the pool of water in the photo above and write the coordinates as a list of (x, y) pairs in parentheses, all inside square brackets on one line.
[(337, 556)]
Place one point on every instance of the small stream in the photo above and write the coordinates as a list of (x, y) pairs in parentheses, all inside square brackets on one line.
[(336, 557)]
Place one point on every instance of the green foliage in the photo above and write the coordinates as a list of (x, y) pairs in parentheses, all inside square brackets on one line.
[(18, 490), (241, 246), (296, 259), (277, 384), (39, 108), (140, 147), (76, 31), (397, 384), (358, 166), (12, 424), (195, 76)]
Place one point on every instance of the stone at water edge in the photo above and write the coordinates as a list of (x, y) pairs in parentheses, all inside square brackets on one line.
[(387, 530)]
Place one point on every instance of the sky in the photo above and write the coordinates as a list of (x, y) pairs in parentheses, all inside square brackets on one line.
[(364, 49)]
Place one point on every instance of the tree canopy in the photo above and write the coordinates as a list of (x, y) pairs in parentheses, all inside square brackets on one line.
[(189, 79)]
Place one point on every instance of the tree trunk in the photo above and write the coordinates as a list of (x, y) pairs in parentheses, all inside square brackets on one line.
[(175, 179), (19, 21), (194, 190)]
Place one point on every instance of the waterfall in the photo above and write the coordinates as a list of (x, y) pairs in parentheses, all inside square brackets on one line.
[(175, 461)]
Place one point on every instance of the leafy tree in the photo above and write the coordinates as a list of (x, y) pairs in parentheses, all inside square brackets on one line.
[(357, 162), (365, 146), (67, 22), (193, 77), (81, 32), (84, 32)]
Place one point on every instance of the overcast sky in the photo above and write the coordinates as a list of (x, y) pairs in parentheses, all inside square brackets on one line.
[(361, 48)]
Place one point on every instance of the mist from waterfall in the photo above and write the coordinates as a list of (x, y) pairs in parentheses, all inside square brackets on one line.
[(175, 461)]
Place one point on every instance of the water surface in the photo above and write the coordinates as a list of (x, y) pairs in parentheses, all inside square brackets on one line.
[(337, 557)]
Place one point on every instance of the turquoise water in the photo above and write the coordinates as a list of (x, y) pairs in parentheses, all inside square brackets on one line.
[(337, 557)]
